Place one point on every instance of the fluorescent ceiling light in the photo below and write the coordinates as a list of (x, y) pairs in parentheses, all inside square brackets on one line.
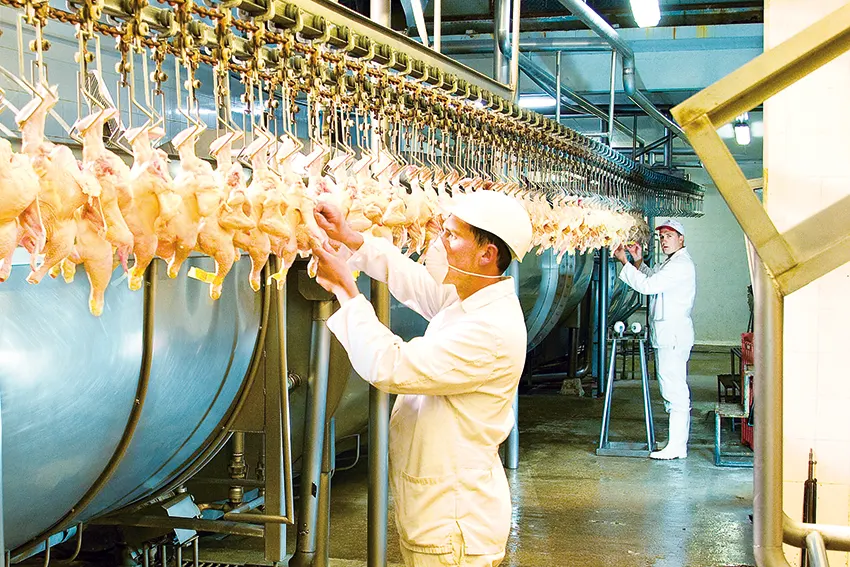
[(742, 130), (536, 101), (647, 13)]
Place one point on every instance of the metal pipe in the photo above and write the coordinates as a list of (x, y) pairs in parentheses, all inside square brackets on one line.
[(611, 99), (438, 18), (512, 442), (767, 461), (602, 317), (536, 45), (148, 304), (543, 79), (314, 435), (795, 533), (237, 467), (650, 146), (515, 51), (323, 526), (249, 505), (501, 22), (199, 460), (174, 523), (598, 24), (668, 148), (816, 550), (253, 518), (558, 87), (379, 435)]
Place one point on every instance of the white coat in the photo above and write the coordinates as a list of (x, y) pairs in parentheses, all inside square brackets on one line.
[(456, 386), (671, 286)]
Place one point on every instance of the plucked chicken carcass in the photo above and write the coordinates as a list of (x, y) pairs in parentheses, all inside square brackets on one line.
[(217, 231), (255, 241), (153, 198), (114, 177), (93, 250), (18, 197), (63, 188), (197, 185)]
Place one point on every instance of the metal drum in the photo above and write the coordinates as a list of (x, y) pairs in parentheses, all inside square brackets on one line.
[(550, 291), (69, 382)]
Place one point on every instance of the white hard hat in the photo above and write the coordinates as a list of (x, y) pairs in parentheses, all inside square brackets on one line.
[(498, 214), (673, 225)]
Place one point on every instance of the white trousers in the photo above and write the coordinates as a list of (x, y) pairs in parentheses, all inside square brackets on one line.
[(671, 365), (454, 559)]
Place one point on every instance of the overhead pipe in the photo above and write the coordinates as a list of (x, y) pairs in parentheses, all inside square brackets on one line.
[(558, 87), (598, 24), (540, 76), (536, 45), (501, 21)]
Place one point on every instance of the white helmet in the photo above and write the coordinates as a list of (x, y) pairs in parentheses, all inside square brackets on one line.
[(498, 214)]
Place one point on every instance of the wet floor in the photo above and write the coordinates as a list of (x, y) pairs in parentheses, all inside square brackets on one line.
[(572, 507)]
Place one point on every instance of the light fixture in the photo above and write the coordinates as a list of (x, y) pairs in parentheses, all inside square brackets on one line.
[(742, 130), (536, 101), (647, 13)]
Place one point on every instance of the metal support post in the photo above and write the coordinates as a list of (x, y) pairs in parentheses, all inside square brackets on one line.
[(668, 149), (501, 24), (323, 527), (602, 318), (558, 87), (438, 24), (273, 441), (626, 449), (379, 431), (611, 98), (314, 435), (512, 442)]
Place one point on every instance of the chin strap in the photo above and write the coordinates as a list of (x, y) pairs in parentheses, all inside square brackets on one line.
[(475, 275)]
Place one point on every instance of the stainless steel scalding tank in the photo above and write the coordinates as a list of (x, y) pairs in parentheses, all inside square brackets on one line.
[(69, 381)]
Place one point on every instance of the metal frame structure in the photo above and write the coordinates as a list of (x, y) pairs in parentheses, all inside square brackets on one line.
[(788, 261)]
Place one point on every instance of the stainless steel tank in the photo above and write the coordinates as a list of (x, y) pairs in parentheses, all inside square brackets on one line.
[(69, 382), (550, 291)]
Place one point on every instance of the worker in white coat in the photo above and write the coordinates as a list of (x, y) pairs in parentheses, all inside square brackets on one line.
[(456, 384), (672, 287)]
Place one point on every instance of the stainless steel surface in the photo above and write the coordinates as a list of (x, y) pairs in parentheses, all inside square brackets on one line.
[(598, 24), (277, 437), (379, 426), (323, 526), (611, 94), (469, 46), (377, 31), (501, 25), (314, 432), (549, 291), (558, 88), (767, 461), (512, 442), (602, 316), (55, 355), (816, 550)]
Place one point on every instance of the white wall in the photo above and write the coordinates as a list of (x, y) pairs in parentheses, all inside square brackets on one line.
[(715, 241), (805, 154)]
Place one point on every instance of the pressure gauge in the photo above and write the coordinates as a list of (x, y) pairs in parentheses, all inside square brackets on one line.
[(619, 328), (636, 328)]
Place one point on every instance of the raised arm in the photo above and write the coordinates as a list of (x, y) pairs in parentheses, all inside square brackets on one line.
[(670, 276), (443, 364), (409, 282)]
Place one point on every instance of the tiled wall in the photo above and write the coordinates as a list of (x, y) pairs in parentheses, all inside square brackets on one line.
[(806, 155)]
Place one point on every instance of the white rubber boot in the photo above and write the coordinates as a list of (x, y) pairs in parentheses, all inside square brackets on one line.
[(677, 446)]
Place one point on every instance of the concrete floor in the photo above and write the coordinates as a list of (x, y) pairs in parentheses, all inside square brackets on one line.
[(572, 507)]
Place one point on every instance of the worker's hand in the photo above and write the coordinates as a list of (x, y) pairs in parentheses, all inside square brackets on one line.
[(330, 219), (636, 250), (333, 273), (620, 254)]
